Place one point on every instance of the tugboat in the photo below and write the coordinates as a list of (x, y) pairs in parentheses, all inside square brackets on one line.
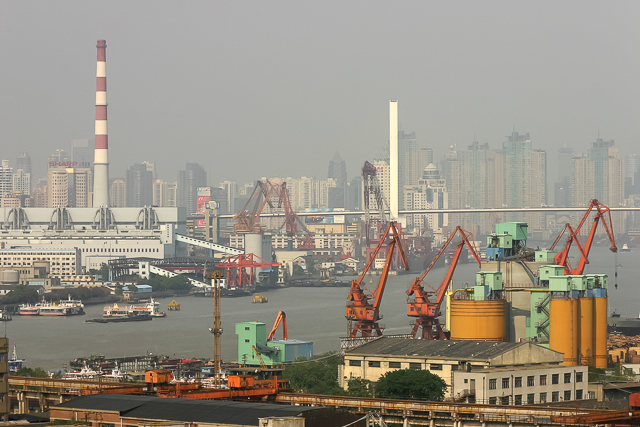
[(15, 364)]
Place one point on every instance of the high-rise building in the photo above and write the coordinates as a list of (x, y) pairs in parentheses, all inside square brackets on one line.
[(81, 153), (562, 187), (188, 182), (525, 179), (338, 170), (231, 189), (21, 182), (631, 175), (395, 186), (151, 167), (474, 179), (599, 175), (70, 187), (59, 158), (6, 178), (40, 194), (164, 194), (429, 193), (118, 193), (24, 162), (407, 161), (139, 186)]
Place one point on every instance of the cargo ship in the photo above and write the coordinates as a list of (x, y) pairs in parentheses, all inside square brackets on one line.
[(618, 325)]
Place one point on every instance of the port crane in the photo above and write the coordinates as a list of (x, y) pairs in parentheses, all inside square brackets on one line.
[(363, 306), (427, 310), (293, 223), (602, 214), (280, 318), (249, 216)]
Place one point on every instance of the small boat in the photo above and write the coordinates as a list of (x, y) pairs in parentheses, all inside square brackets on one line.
[(625, 248), (15, 364), (259, 299), (5, 316), (83, 373)]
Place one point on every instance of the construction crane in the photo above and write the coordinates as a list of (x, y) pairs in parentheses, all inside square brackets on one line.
[(371, 187), (281, 318), (364, 305), (427, 310), (248, 218), (602, 214), (216, 277)]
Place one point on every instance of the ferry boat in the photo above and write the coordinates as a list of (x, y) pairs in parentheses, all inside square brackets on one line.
[(116, 311), (15, 364), (76, 306), (30, 310), (83, 373), (152, 307), (53, 309)]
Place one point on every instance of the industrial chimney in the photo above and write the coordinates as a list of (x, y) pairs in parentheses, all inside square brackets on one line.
[(101, 162)]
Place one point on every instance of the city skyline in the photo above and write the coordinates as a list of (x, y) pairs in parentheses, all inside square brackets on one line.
[(445, 101)]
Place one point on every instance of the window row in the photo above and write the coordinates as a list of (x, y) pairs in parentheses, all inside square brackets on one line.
[(531, 380), (398, 365), (518, 399)]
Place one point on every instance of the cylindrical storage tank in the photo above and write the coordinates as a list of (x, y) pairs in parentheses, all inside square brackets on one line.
[(9, 277), (478, 320), (253, 244), (563, 328), (587, 356), (600, 332)]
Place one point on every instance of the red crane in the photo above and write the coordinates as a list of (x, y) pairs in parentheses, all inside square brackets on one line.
[(281, 318), (292, 221), (602, 214), (425, 310), (248, 220), (364, 307)]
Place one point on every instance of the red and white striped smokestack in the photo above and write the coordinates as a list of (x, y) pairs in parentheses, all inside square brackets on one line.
[(101, 162)]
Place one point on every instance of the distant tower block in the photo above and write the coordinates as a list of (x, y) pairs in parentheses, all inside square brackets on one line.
[(393, 161), (101, 162)]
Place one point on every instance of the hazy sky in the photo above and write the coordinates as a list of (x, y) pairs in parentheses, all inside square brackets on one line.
[(263, 88)]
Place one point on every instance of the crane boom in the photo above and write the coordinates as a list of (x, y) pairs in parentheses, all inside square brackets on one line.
[(363, 307), (602, 214), (421, 307), (281, 318)]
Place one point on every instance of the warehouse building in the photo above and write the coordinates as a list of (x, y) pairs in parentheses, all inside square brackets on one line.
[(467, 366), (108, 410)]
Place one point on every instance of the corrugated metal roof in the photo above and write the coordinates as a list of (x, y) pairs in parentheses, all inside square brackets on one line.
[(185, 410), (468, 350)]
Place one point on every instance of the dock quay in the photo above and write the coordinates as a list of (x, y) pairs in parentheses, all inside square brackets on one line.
[(39, 394)]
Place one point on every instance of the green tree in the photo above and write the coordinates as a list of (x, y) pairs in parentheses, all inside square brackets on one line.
[(28, 372), (22, 294), (410, 384), (359, 387), (317, 376)]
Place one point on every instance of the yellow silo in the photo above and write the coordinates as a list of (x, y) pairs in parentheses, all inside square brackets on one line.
[(600, 332), (563, 328), (587, 324), (478, 320)]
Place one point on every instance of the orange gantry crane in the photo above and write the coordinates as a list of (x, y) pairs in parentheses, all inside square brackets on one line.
[(602, 214), (426, 310), (281, 318), (363, 306)]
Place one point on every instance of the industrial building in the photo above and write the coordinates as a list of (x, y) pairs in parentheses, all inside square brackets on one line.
[(448, 359), (102, 410), (255, 349), (61, 262)]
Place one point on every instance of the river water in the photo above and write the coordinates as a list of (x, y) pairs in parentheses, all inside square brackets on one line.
[(313, 314)]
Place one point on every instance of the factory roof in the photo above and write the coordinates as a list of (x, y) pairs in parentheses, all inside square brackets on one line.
[(184, 410), (392, 346)]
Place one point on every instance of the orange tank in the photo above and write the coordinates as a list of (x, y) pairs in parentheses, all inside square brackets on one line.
[(587, 356), (600, 332), (563, 328), (478, 320)]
